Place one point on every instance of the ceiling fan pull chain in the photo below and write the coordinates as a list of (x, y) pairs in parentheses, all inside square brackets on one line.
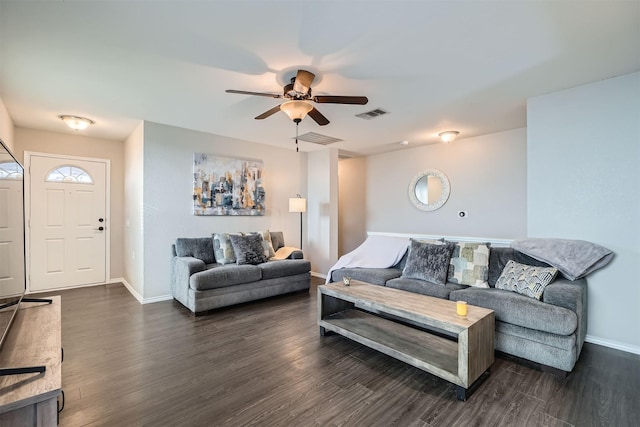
[(297, 123)]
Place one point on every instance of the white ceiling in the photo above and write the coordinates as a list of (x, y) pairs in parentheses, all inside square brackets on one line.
[(434, 65)]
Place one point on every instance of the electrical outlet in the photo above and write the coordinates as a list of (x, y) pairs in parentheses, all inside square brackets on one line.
[(462, 214)]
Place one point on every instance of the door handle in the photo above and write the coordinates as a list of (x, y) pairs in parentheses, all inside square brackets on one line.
[(99, 228)]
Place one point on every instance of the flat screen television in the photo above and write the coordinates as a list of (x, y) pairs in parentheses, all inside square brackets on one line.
[(12, 255), (12, 251)]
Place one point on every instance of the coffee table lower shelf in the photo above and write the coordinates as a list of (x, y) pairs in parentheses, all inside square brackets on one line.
[(428, 352), (446, 358)]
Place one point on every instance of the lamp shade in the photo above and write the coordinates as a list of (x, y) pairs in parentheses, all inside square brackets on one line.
[(296, 110), (297, 204)]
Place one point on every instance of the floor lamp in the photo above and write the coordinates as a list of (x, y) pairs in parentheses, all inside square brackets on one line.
[(298, 204)]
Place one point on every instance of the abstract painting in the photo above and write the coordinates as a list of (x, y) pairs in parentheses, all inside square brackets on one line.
[(226, 186)]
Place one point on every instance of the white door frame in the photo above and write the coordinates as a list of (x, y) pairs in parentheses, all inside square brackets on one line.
[(27, 209)]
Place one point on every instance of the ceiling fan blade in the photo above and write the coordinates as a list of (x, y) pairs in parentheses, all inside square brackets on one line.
[(244, 92), (318, 117), (303, 81), (329, 99), (268, 113)]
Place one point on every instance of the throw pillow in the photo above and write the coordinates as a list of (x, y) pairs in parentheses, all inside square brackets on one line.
[(248, 249), (469, 264), (526, 279), (267, 245), (223, 249), (428, 261)]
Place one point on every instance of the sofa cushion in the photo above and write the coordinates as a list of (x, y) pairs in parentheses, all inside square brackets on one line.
[(248, 249), (277, 239), (224, 275), (223, 249), (499, 257), (469, 264), (424, 288), (520, 310), (526, 279), (284, 268), (428, 261), (196, 247), (375, 276)]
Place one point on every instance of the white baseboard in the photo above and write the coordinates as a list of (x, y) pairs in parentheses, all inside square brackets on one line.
[(139, 297), (320, 275), (613, 344), (157, 299)]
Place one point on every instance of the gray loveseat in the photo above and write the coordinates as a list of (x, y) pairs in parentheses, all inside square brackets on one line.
[(200, 283), (549, 332)]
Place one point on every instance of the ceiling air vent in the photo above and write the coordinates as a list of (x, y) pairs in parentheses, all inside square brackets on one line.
[(317, 138), (372, 114)]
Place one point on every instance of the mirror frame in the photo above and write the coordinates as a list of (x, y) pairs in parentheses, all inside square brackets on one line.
[(444, 195)]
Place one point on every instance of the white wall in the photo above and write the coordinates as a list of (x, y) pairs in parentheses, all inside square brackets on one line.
[(82, 146), (488, 180), (352, 198), (322, 210), (168, 189), (6, 127), (584, 183), (133, 253)]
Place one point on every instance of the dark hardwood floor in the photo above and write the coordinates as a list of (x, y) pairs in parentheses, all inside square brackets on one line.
[(264, 363)]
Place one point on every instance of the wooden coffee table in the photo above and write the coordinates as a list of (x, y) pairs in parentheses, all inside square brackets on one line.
[(465, 361)]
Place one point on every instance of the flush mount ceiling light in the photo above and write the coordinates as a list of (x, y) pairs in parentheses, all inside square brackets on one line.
[(76, 122), (448, 136)]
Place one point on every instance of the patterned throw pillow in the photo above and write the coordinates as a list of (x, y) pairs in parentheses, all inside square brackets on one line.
[(267, 245), (428, 261), (223, 249), (526, 279), (248, 249), (470, 264)]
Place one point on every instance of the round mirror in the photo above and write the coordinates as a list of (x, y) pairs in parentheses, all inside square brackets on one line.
[(429, 190)]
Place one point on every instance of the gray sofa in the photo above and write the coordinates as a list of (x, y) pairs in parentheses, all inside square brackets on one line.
[(549, 332), (200, 283)]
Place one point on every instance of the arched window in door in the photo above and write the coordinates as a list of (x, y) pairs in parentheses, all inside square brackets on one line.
[(71, 174), (10, 170)]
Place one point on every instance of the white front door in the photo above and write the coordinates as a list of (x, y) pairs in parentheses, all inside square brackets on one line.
[(68, 224)]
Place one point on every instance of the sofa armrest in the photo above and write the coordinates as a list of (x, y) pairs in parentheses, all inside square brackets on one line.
[(188, 265), (567, 294), (181, 270), (296, 255), (572, 295)]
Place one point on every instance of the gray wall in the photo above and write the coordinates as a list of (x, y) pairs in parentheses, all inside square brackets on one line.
[(584, 183), (168, 188), (352, 198), (322, 209), (488, 180), (6, 127), (133, 253)]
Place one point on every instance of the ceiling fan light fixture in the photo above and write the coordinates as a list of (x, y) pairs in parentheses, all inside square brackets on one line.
[(76, 122), (296, 110), (448, 136)]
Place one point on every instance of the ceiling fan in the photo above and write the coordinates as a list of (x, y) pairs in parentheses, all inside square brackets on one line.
[(298, 96)]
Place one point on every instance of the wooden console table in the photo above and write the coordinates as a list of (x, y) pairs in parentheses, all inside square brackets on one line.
[(35, 339), (348, 311)]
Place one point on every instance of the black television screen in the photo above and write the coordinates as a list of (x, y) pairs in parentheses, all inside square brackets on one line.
[(12, 256)]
